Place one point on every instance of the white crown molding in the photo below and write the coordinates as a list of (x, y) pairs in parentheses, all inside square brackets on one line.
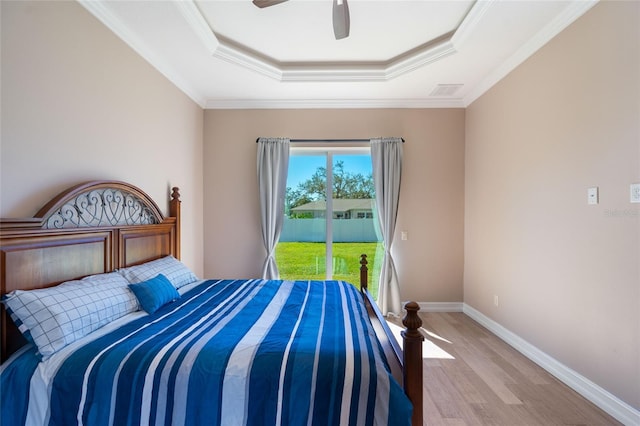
[(331, 103), (425, 56), (332, 73), (591, 391), (198, 24), (428, 53), (573, 11), (248, 60), (98, 9), (222, 49), (471, 21)]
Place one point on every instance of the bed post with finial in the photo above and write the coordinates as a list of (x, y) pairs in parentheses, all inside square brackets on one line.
[(412, 371), (174, 211), (410, 357), (363, 273)]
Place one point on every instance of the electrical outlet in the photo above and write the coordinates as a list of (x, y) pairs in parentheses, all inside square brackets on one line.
[(634, 190), (495, 300)]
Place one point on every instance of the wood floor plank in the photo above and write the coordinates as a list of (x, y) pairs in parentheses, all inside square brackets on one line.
[(472, 377), (430, 414), (470, 386), (531, 371), (495, 377), (450, 404)]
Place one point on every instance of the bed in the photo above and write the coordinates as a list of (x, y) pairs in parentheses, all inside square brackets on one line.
[(168, 347)]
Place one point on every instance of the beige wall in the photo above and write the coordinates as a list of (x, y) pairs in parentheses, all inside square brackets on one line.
[(566, 273), (78, 104), (431, 201)]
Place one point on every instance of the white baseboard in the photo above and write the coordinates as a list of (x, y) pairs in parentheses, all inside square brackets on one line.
[(615, 407), (441, 306)]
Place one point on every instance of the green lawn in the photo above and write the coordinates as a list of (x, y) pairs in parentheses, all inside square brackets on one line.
[(306, 261)]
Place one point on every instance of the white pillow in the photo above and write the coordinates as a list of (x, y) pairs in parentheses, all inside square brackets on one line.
[(54, 317), (175, 271)]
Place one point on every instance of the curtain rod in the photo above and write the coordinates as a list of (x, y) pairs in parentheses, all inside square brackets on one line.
[(327, 140)]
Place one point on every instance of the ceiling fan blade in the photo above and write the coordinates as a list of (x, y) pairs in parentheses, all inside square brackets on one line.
[(267, 3), (341, 20)]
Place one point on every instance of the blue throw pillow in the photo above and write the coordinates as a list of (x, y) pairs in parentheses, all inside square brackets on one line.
[(154, 293)]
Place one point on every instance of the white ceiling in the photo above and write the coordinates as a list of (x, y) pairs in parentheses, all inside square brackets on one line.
[(399, 54)]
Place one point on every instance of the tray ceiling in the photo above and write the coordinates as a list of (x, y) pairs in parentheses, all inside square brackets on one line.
[(403, 54)]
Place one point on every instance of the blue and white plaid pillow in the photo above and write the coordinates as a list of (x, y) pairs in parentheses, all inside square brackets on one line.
[(54, 317), (175, 271)]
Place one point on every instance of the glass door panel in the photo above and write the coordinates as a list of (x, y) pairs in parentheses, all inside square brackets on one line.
[(354, 227), (301, 251), (339, 227)]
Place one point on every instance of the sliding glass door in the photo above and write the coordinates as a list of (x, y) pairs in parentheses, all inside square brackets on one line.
[(329, 216)]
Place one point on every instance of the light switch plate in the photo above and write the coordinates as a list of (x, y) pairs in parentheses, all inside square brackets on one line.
[(634, 192), (592, 195)]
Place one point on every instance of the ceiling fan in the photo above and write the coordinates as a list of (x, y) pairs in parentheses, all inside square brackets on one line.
[(340, 15)]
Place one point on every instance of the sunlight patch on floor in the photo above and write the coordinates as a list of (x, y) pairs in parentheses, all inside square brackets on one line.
[(429, 349)]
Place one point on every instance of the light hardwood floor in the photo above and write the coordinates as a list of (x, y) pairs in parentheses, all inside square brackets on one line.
[(471, 377)]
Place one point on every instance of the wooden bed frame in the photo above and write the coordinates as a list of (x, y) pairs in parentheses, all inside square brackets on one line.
[(100, 226)]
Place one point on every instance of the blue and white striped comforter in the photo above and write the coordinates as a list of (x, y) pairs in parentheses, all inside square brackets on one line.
[(249, 352)]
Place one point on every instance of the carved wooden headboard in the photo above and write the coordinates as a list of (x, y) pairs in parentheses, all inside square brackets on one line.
[(91, 228)]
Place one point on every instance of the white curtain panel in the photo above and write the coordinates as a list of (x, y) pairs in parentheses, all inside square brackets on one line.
[(386, 156), (273, 165)]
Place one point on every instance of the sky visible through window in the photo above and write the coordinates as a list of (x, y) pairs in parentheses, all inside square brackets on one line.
[(301, 167)]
